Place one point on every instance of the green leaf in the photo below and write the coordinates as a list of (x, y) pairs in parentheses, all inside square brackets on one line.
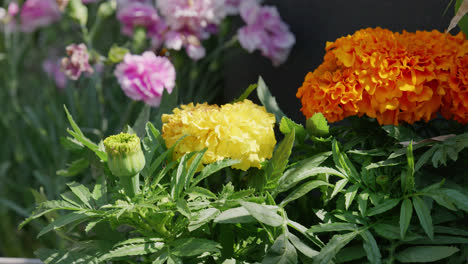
[(234, 216), (407, 179), (351, 253), (350, 193), (305, 169), (336, 243), (140, 124), (209, 169), (100, 192), (343, 163), (90, 145), (281, 252), (406, 212), (278, 162), (460, 200), (425, 254), (133, 250), (196, 162), (424, 158), (371, 248), (384, 163), (246, 93), (301, 246), (183, 208), (82, 192), (424, 216), (202, 217), (400, 133), (268, 100), (52, 256), (48, 207), (383, 207), (440, 240), (339, 185), (65, 220), (188, 247), (390, 232), (332, 227), (441, 199), (200, 191), (174, 260), (72, 122), (303, 190), (450, 230), (317, 125), (287, 126), (139, 240), (76, 167), (263, 213), (362, 202), (178, 182)]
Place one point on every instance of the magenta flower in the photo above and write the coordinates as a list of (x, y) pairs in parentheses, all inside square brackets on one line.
[(145, 77), (53, 69), (265, 31), (13, 9), (77, 61), (38, 13), (138, 14), (232, 6), (190, 22)]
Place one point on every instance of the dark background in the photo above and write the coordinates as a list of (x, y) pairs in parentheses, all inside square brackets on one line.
[(316, 21)]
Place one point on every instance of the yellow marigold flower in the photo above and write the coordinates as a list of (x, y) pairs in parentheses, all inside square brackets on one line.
[(394, 77), (242, 131)]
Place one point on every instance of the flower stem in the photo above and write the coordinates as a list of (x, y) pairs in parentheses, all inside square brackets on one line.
[(131, 185)]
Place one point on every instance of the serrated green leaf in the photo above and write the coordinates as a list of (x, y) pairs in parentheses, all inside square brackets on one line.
[(263, 213), (202, 217), (425, 157), (209, 169), (303, 190), (268, 100), (133, 250), (301, 246), (200, 191), (441, 199), (440, 240), (234, 216), (278, 162), (65, 220), (306, 170), (336, 243), (450, 230), (424, 215), (138, 240), (350, 193), (48, 207), (371, 247), (317, 125), (51, 256), (383, 207), (246, 93), (281, 252), (351, 253), (182, 207), (287, 126), (343, 163), (339, 185), (425, 254), (100, 192), (82, 192), (76, 167), (406, 212), (407, 179), (195, 164), (400, 133), (390, 232), (362, 202), (460, 199), (332, 227), (188, 247)]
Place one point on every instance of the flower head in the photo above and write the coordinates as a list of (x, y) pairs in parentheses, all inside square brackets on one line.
[(190, 22), (138, 14), (394, 77), (242, 131), (145, 77), (265, 31), (77, 61), (38, 13)]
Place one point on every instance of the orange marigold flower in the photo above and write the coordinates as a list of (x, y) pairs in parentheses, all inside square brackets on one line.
[(394, 77), (455, 103)]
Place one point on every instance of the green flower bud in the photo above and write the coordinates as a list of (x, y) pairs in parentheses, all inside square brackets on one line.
[(125, 160)]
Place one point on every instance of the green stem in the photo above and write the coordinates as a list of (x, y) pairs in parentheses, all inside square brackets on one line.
[(131, 185)]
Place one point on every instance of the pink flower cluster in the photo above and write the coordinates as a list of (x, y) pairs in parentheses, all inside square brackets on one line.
[(38, 13), (265, 31), (144, 78), (77, 61)]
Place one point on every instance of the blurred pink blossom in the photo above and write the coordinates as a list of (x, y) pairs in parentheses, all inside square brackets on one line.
[(191, 21), (77, 61), (232, 6), (265, 31), (38, 13), (13, 9), (139, 14), (145, 77), (52, 67)]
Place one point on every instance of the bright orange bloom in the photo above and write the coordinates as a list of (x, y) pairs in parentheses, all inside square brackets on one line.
[(394, 77)]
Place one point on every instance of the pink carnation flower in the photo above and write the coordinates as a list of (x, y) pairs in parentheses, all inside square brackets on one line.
[(265, 31), (232, 6), (145, 77), (38, 13), (53, 70), (77, 61), (190, 22), (136, 14)]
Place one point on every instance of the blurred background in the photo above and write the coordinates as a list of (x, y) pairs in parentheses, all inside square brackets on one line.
[(316, 22)]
